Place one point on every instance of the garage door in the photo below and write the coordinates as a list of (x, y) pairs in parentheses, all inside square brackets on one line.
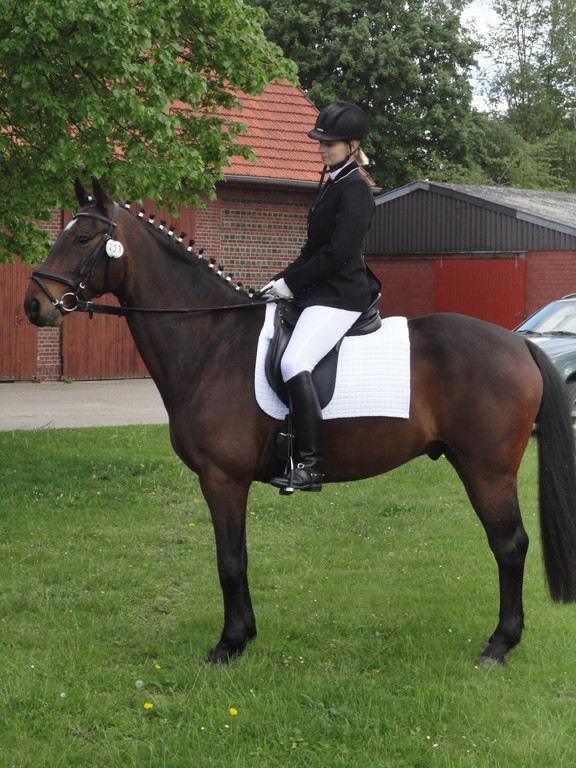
[(18, 339), (490, 289), (101, 348)]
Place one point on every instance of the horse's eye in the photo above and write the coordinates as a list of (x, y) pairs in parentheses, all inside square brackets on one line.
[(83, 239)]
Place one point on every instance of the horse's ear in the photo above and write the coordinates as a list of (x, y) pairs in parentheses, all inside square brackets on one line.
[(82, 194), (102, 199)]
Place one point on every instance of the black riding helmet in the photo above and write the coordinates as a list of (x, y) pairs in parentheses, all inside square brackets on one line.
[(340, 121)]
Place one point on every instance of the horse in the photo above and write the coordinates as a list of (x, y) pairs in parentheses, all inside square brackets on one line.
[(477, 392)]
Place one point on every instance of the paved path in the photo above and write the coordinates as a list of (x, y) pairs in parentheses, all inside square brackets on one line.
[(56, 405)]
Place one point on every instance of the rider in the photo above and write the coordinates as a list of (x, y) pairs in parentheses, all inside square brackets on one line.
[(329, 280)]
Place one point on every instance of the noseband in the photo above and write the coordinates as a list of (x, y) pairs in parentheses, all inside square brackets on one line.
[(68, 302)]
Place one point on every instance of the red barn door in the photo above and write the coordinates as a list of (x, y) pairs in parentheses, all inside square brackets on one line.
[(490, 289)]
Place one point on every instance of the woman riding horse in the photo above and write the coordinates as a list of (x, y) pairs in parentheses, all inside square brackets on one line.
[(329, 280)]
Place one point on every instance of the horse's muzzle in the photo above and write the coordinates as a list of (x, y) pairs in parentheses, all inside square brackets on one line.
[(39, 309)]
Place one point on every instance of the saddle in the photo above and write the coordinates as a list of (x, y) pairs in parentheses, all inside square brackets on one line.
[(324, 374)]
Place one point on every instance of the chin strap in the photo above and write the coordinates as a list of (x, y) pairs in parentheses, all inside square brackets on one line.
[(322, 179)]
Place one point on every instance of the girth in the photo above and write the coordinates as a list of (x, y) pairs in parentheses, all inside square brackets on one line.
[(324, 374)]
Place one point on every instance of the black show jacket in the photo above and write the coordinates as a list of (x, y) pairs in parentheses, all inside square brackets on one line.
[(330, 270)]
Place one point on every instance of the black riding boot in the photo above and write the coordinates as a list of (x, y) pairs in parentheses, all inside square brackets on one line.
[(306, 474)]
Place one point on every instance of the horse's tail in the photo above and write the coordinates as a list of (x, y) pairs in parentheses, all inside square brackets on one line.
[(557, 481)]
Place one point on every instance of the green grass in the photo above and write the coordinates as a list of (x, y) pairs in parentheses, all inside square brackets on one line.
[(373, 602)]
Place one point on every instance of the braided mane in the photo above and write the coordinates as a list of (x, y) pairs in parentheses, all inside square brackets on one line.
[(177, 246)]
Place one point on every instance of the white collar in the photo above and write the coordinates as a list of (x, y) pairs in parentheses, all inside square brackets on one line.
[(334, 174)]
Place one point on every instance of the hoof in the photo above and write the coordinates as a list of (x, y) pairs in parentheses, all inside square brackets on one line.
[(488, 662), (217, 658), (222, 654)]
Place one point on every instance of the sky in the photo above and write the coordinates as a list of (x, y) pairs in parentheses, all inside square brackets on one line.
[(480, 14)]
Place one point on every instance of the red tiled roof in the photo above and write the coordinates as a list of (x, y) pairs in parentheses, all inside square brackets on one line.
[(278, 121)]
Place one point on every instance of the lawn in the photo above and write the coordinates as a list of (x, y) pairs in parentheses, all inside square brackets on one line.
[(373, 602)]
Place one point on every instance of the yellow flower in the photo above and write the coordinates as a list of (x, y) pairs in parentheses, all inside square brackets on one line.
[(156, 666), (148, 705), (233, 711)]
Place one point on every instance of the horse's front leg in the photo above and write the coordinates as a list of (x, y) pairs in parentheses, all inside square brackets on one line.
[(227, 501)]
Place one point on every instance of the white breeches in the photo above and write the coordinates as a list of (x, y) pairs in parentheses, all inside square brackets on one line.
[(318, 330)]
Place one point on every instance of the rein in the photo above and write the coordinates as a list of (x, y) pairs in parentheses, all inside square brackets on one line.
[(71, 301), (107, 309)]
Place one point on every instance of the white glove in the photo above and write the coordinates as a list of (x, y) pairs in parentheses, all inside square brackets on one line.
[(268, 291), (281, 290)]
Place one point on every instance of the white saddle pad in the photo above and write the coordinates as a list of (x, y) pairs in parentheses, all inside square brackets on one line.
[(373, 377)]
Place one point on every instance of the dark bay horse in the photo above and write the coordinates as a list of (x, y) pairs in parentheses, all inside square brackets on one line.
[(477, 390)]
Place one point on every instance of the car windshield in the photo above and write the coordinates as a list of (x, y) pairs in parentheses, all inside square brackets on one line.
[(556, 318)]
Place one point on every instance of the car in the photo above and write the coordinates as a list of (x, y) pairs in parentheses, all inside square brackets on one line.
[(553, 329)]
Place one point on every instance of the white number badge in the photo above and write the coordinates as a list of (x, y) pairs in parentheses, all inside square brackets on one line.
[(114, 249)]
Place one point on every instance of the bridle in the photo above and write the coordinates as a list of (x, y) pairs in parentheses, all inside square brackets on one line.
[(71, 301)]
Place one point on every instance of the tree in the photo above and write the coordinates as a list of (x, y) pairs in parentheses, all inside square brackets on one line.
[(562, 34), (532, 88), (407, 64), (132, 92), (511, 161), (526, 76)]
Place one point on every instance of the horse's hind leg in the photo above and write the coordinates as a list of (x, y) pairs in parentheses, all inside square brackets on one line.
[(509, 546), (496, 504)]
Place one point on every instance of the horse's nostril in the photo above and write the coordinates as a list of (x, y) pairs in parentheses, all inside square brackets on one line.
[(32, 308)]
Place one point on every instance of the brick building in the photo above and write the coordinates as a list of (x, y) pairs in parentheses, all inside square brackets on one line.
[(258, 221)]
